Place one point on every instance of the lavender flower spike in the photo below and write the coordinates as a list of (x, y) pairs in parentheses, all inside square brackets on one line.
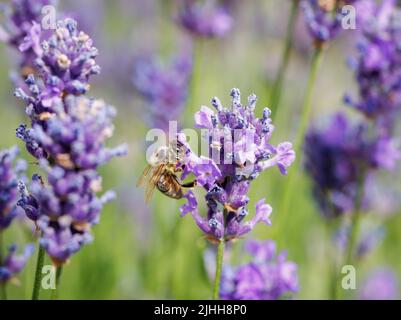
[(269, 276), (9, 175), (64, 64), (20, 17), (12, 264), (208, 19), (377, 65), (323, 18), (335, 157), (163, 88), (68, 136), (239, 150)]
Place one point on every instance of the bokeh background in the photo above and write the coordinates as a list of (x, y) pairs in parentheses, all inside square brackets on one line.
[(147, 251)]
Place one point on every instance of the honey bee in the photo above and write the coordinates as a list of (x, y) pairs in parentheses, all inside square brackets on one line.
[(162, 173)]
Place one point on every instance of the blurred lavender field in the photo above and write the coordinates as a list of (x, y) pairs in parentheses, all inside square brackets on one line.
[(154, 70)]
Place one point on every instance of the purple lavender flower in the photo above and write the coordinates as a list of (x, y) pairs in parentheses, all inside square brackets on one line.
[(21, 16), (66, 207), (378, 65), (380, 284), (13, 263), (335, 158), (206, 19), (323, 18), (269, 276), (65, 63), (67, 136), (239, 150), (164, 88), (9, 175)]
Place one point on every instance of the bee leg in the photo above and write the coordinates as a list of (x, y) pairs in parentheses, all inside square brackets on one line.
[(189, 185)]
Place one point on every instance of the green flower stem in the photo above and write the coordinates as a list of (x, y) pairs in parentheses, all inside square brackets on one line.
[(56, 291), (38, 273), (356, 217), (219, 268), (355, 224), (195, 76), (278, 83), (331, 258), (307, 105), (306, 111)]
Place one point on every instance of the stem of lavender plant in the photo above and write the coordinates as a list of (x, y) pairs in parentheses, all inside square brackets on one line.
[(219, 268), (193, 83), (306, 111), (333, 277), (55, 292), (278, 83), (356, 217), (355, 223), (307, 105), (38, 273)]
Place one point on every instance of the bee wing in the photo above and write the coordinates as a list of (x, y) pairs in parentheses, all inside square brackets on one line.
[(143, 176), (150, 188), (149, 192)]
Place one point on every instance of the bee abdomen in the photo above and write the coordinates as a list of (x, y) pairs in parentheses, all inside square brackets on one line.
[(170, 187)]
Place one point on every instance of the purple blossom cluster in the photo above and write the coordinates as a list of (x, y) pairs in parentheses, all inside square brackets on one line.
[(323, 18), (163, 87), (381, 284), (336, 156), (10, 171), (20, 16), (269, 276), (67, 135), (239, 150), (205, 19), (377, 66)]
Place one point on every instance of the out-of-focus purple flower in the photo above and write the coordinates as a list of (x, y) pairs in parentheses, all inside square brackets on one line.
[(13, 263), (68, 137), (380, 284), (18, 30), (386, 153), (269, 276), (164, 88), (10, 172), (206, 19), (335, 157), (377, 66), (239, 150), (323, 18)]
